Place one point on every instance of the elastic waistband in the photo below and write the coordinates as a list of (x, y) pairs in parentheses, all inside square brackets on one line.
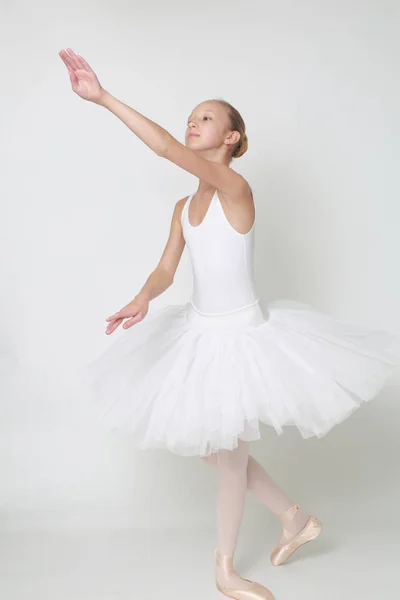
[(247, 316), (229, 312)]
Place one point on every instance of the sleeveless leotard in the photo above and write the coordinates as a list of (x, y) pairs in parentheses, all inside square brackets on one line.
[(222, 261)]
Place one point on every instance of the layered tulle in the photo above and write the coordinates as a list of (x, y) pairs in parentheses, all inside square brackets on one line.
[(194, 391)]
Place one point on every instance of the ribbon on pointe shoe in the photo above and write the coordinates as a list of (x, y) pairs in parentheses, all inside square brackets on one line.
[(310, 531)]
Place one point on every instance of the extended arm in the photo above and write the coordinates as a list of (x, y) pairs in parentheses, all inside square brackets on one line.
[(85, 83), (165, 145), (149, 132)]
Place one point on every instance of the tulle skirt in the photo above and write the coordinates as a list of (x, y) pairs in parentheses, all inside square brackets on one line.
[(195, 384)]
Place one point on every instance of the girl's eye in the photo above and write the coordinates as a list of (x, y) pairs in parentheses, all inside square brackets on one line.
[(203, 118)]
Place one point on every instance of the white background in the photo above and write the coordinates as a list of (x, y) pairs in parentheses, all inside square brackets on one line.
[(86, 210)]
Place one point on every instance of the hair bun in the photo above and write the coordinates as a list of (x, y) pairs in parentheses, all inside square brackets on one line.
[(236, 123)]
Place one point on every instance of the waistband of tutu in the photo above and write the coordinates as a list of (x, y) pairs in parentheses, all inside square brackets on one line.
[(250, 315), (228, 312)]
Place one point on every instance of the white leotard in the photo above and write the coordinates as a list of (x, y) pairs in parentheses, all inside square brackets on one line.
[(222, 261)]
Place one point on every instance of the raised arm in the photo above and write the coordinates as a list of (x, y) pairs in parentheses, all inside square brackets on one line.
[(86, 84)]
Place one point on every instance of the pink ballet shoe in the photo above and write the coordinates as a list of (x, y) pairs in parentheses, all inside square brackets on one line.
[(255, 592), (310, 531)]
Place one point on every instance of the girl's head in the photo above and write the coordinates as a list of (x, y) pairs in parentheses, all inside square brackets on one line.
[(216, 130)]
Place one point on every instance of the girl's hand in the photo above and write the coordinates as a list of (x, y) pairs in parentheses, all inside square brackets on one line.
[(83, 79), (135, 311)]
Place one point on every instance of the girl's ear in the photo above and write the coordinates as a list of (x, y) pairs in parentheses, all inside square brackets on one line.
[(232, 138), (220, 176)]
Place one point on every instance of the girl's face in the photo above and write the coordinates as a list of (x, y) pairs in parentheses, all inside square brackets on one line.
[(208, 128)]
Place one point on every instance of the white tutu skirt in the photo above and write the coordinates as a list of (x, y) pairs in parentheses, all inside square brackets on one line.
[(195, 384)]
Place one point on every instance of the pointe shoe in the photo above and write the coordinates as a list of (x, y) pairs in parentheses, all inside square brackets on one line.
[(254, 592), (310, 531)]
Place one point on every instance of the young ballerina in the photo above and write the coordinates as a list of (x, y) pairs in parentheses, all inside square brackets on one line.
[(198, 378)]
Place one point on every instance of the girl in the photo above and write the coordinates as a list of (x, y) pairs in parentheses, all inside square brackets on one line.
[(198, 378)]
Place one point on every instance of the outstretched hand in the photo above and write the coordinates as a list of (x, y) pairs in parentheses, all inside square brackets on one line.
[(83, 79), (135, 311)]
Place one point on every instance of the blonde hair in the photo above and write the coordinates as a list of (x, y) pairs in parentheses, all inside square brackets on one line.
[(236, 123)]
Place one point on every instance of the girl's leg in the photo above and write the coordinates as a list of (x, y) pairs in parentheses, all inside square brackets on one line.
[(232, 485), (267, 491)]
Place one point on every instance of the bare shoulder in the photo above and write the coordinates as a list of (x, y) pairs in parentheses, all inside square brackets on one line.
[(179, 204), (240, 199), (239, 207), (176, 242), (176, 221), (238, 195)]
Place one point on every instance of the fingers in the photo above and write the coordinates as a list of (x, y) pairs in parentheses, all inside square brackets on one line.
[(73, 58), (112, 327), (115, 316), (125, 312), (72, 74), (116, 319), (132, 321), (67, 59), (83, 64), (74, 61)]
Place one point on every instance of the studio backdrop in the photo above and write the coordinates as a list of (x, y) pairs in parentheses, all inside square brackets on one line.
[(86, 211)]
